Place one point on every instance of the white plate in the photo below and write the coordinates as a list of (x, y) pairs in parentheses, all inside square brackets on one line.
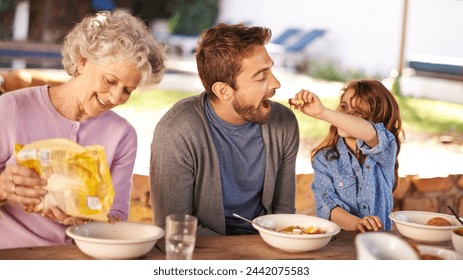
[(374, 245)]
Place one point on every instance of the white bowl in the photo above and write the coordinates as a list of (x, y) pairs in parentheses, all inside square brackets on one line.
[(295, 242), (383, 246), (440, 253), (121, 240), (457, 240), (412, 224)]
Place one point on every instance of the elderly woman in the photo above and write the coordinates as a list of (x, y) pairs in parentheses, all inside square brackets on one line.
[(108, 56)]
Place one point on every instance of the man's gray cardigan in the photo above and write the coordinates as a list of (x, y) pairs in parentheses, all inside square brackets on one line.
[(185, 175)]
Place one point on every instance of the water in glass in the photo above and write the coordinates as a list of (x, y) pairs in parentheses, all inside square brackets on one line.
[(180, 247)]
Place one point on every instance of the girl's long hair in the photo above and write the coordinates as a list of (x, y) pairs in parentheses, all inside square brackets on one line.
[(383, 108)]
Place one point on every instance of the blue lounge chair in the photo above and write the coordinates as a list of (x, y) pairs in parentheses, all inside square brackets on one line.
[(283, 37), (305, 40), (291, 54)]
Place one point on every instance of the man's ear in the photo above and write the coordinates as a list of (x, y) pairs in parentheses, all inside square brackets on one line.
[(222, 90)]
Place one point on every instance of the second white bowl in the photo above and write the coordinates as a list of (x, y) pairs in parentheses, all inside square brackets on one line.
[(295, 242), (412, 224)]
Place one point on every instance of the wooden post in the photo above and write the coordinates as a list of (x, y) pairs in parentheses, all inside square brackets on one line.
[(403, 38)]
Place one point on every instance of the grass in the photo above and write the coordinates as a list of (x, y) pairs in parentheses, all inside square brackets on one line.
[(435, 117), (418, 115), (155, 99)]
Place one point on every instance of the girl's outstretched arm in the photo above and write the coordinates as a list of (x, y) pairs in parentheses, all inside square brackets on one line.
[(355, 127)]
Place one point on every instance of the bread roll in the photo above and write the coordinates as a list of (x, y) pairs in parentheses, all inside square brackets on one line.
[(438, 221)]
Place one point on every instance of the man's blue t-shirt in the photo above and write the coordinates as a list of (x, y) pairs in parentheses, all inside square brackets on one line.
[(241, 153)]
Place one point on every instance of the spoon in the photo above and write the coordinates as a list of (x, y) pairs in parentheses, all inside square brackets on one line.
[(455, 214), (249, 221)]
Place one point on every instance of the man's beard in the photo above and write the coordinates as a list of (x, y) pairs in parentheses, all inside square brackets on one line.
[(249, 112)]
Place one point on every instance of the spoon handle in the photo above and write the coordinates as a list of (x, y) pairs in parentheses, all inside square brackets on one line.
[(254, 223), (242, 218), (455, 214)]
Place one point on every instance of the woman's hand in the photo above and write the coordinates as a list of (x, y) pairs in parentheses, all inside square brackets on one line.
[(112, 218), (369, 223), (56, 214), (22, 185)]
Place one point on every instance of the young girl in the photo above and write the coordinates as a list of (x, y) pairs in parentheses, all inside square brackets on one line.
[(355, 166)]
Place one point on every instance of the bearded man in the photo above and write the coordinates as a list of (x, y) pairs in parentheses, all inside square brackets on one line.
[(230, 149)]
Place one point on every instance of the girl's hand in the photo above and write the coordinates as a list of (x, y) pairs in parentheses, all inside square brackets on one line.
[(22, 185), (369, 223), (57, 215), (307, 102)]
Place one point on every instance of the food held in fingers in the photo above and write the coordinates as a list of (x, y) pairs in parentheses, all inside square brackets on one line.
[(294, 103)]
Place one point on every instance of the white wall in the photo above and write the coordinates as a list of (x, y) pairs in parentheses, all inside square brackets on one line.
[(361, 34)]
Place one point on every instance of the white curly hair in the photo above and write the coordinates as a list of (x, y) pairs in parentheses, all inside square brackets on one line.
[(107, 37)]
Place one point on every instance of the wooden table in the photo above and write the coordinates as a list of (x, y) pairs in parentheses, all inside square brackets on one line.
[(243, 247), (62, 252), (253, 247)]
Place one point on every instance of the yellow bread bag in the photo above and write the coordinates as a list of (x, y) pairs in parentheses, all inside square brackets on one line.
[(79, 181)]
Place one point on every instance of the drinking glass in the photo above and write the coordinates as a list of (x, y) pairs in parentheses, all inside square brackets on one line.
[(180, 236)]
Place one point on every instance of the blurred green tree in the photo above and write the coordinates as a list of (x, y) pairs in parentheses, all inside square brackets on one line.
[(150, 10), (6, 17), (6, 4), (185, 17), (191, 17)]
